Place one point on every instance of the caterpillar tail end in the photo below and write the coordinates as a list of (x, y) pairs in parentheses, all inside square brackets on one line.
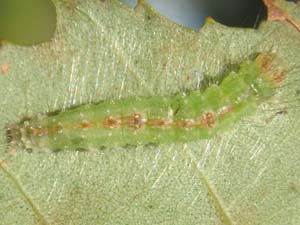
[(14, 137)]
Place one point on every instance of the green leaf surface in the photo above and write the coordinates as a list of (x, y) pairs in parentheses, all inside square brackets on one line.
[(102, 50)]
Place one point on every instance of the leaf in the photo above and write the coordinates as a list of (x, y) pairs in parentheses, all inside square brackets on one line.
[(102, 50)]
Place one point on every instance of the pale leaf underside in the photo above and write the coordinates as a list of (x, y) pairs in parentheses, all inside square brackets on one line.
[(103, 50)]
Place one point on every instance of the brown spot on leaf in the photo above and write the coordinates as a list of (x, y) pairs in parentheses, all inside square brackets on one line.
[(266, 63), (282, 112), (276, 13), (278, 77), (71, 4), (4, 68), (294, 187), (3, 162)]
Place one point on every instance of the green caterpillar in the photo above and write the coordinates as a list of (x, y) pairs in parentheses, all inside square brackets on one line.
[(157, 119)]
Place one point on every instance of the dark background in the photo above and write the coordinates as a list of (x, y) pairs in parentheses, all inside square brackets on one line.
[(33, 21), (192, 13)]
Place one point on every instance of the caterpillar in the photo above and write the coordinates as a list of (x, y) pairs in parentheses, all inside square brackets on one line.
[(183, 117)]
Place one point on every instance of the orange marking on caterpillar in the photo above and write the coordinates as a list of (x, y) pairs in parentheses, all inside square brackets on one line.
[(112, 122), (86, 124), (135, 121), (208, 120), (64, 128), (39, 131), (157, 123), (225, 110), (187, 124)]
